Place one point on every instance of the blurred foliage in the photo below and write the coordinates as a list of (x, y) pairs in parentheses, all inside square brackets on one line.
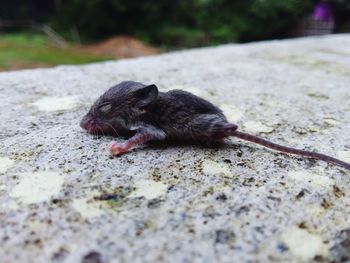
[(24, 11), (27, 49), (342, 10), (181, 23)]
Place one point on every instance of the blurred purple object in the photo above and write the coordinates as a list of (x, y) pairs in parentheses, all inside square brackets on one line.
[(322, 12)]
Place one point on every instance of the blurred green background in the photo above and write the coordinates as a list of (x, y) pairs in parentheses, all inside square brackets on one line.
[(44, 33)]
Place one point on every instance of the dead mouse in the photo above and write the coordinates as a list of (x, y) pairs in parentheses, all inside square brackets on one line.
[(147, 114)]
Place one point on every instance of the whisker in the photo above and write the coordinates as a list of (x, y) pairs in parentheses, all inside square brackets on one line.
[(100, 128), (106, 123)]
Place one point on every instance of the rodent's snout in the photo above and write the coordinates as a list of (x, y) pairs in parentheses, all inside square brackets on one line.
[(97, 126), (86, 123), (91, 125)]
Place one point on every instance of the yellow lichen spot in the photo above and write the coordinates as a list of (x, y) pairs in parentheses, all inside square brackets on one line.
[(37, 187), (257, 127), (5, 163), (303, 244), (231, 112), (86, 208), (344, 156), (149, 189), (311, 179), (34, 224), (315, 211), (330, 122), (313, 129), (215, 168), (12, 206), (9, 205), (56, 103)]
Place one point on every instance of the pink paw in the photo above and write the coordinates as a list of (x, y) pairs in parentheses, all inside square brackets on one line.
[(115, 148)]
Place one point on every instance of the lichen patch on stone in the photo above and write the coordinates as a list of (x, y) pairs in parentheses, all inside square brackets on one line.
[(5, 163), (315, 211), (313, 180), (231, 112), (215, 168), (344, 155), (87, 208), (303, 244), (257, 127), (149, 189), (330, 122), (37, 187), (56, 103), (11, 205)]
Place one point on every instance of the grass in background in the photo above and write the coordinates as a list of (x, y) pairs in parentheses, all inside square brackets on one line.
[(25, 50)]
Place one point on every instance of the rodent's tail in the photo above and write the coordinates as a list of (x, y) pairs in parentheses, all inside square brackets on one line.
[(277, 147)]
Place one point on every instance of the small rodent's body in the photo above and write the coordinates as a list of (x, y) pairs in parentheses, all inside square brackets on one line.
[(147, 114), (183, 116)]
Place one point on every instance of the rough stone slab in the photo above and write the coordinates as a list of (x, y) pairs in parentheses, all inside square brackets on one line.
[(62, 198)]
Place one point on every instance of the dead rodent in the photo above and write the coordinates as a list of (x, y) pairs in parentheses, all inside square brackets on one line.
[(147, 114)]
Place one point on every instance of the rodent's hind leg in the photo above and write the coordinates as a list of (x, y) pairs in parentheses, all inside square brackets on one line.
[(141, 136), (210, 127)]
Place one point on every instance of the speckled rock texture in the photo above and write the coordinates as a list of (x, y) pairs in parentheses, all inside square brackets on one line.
[(63, 199)]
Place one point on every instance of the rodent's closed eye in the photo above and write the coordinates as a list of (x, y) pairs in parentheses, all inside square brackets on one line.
[(105, 107)]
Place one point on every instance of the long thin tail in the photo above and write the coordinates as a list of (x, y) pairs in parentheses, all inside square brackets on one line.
[(277, 147)]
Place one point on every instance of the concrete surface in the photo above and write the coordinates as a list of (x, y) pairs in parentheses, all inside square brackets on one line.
[(62, 199)]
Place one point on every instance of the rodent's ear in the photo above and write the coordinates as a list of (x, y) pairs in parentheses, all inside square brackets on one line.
[(146, 95)]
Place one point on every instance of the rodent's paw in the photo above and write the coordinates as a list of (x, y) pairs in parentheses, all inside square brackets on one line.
[(115, 148)]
